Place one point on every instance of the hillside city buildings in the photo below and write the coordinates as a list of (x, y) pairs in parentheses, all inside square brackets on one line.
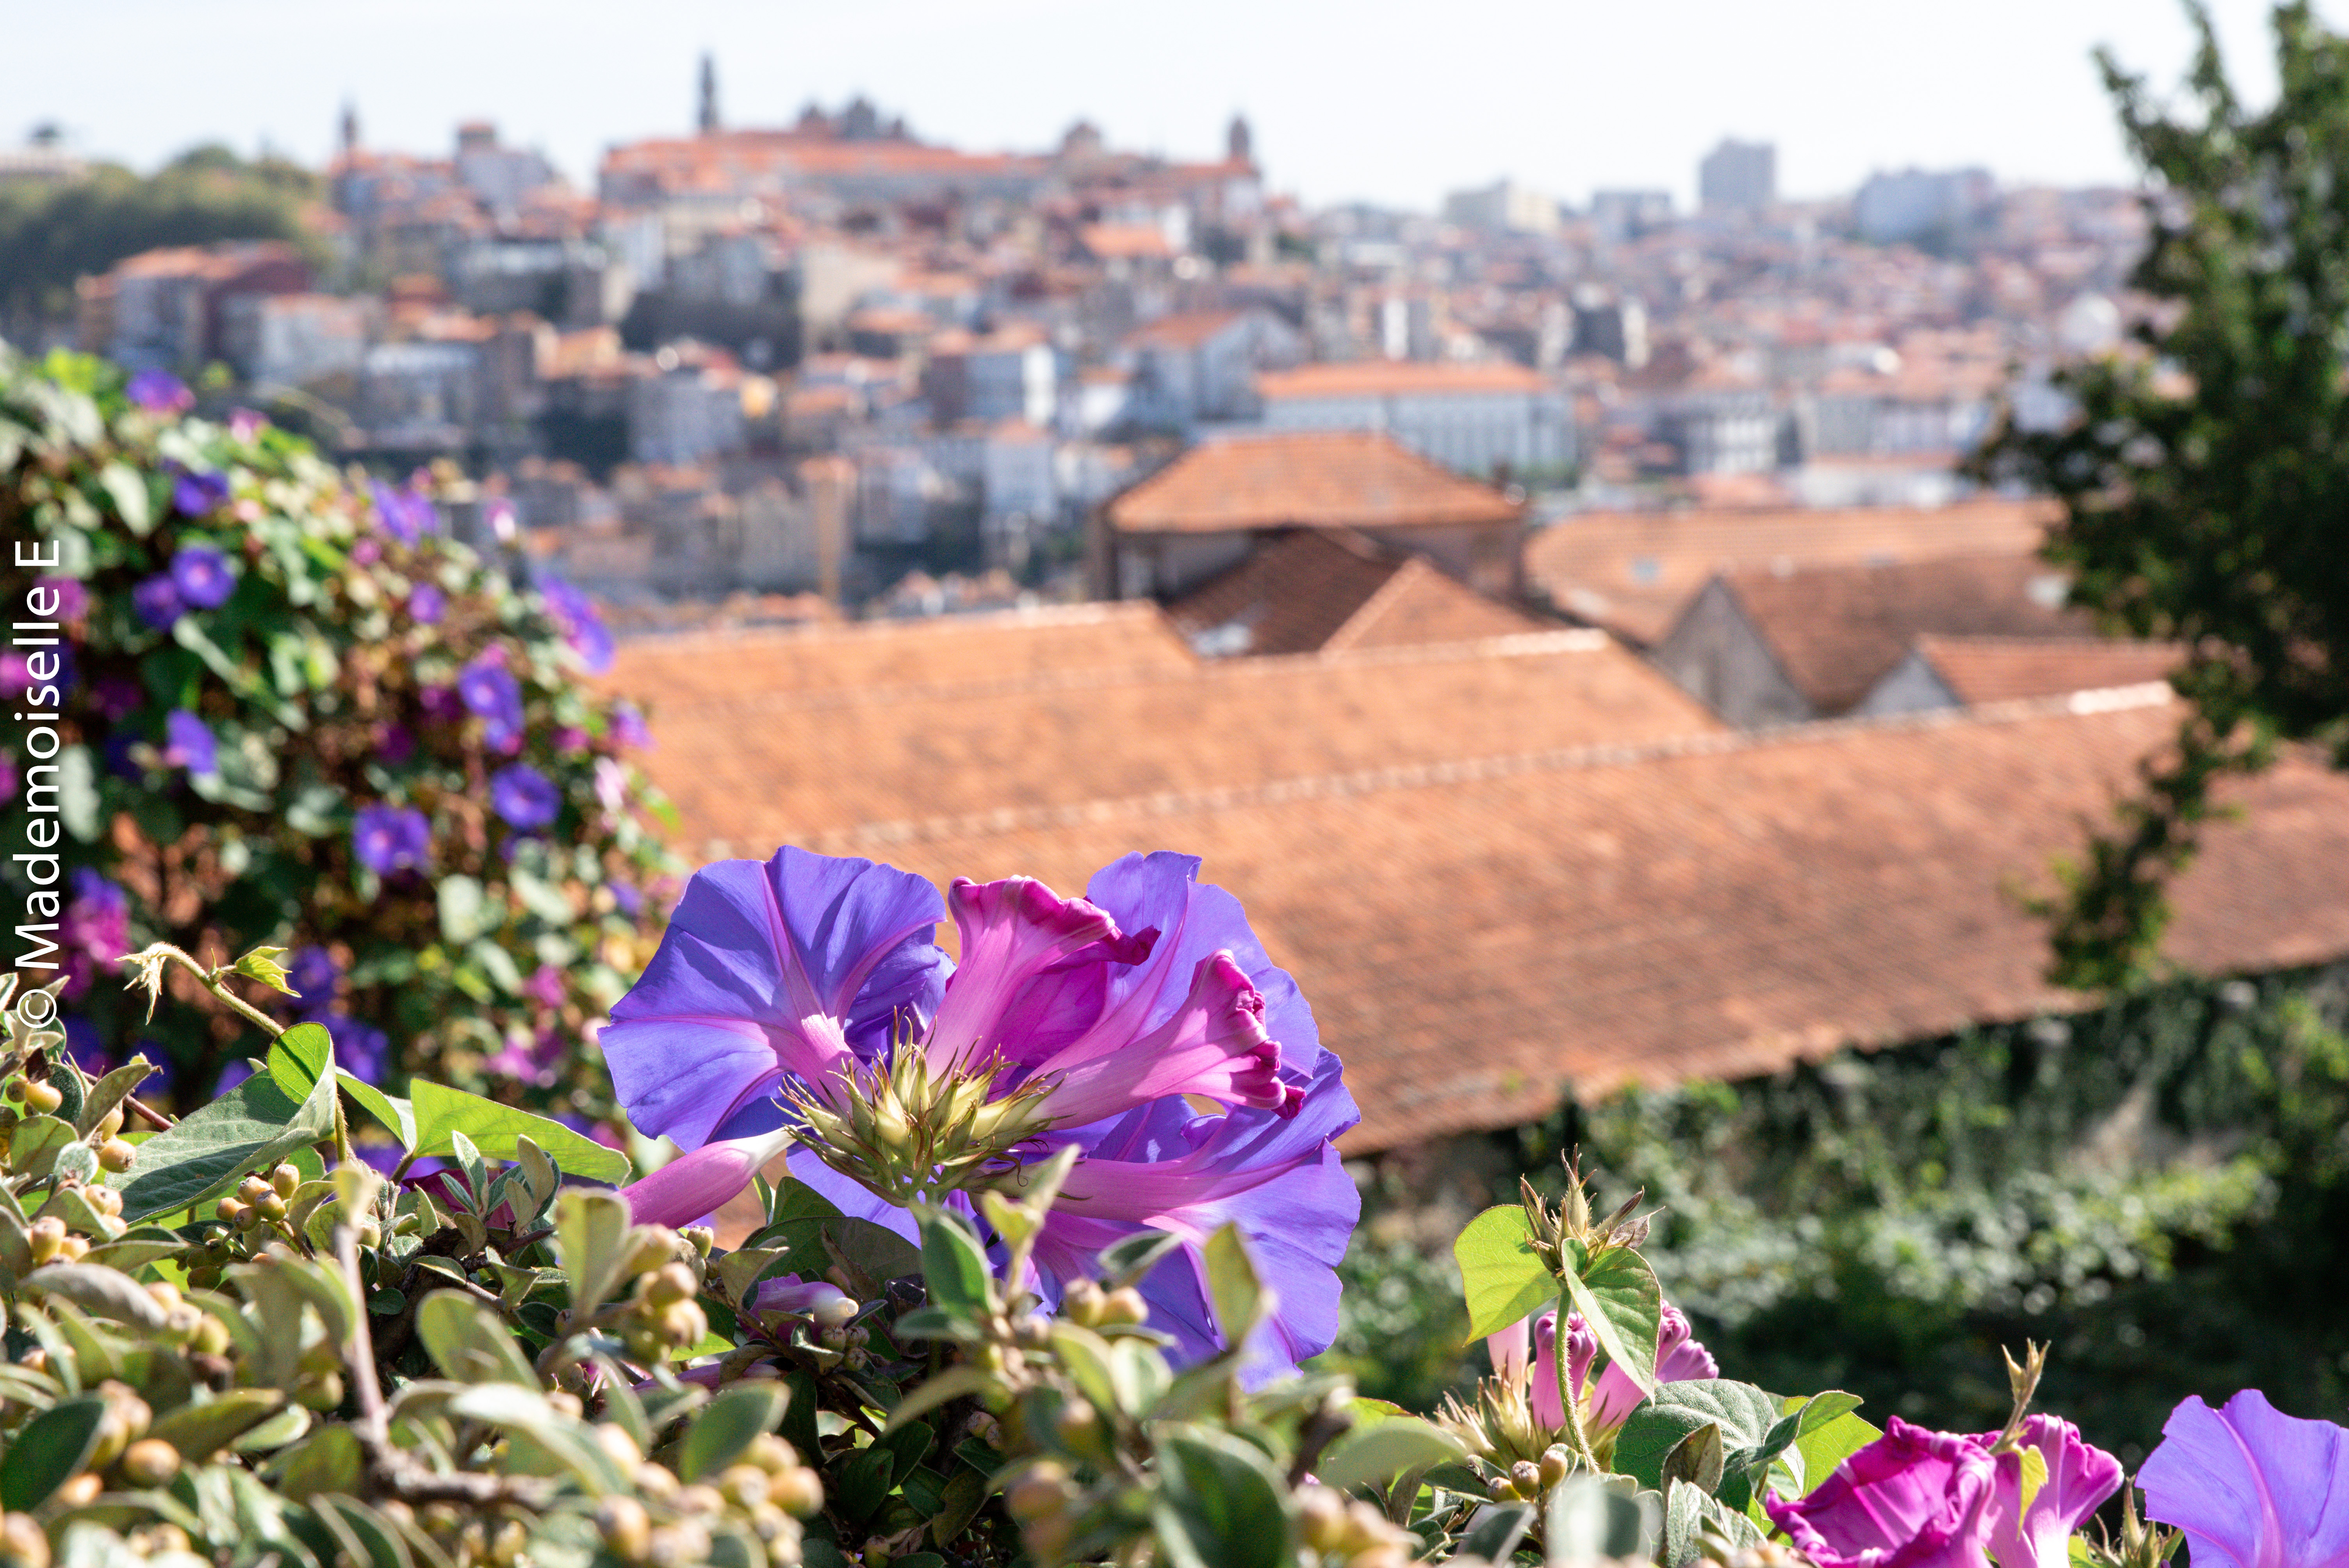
[(834, 358)]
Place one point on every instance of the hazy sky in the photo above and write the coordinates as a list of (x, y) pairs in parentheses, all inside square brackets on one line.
[(1371, 98)]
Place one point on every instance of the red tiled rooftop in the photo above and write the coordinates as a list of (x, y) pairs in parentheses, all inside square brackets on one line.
[(1305, 480), (1382, 377)]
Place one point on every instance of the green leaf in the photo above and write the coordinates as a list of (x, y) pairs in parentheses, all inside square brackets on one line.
[(396, 1114), (471, 1343), (1743, 1414), (1830, 1442), (101, 1291), (1590, 1517), (1495, 1536), (1232, 1284), (110, 1091), (299, 1057), (464, 910), (327, 1462), (127, 489), (1502, 1278), (52, 1447), (78, 803), (591, 1237), (34, 1145), (727, 1427), (496, 1130), (954, 1263), (1618, 1297), (563, 1441), (262, 965), (201, 1430), (201, 1157), (1125, 1261), (1220, 1503), (1375, 1455), (1696, 1459)]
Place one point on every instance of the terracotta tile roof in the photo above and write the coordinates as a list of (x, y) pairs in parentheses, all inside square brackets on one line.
[(1633, 573), (1382, 377), (674, 673), (1293, 594), (1107, 241), (1837, 630), (756, 753), (1304, 479), (1422, 604), (1184, 329), (1473, 935), (2000, 669)]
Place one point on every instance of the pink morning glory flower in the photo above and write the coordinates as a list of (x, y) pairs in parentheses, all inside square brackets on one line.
[(1912, 1499), (2079, 1479), (1134, 1002), (2251, 1486)]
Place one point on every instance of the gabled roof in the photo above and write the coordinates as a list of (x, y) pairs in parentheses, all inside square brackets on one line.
[(1328, 590), (1838, 630), (1634, 571), (1305, 480), (1476, 934), (2001, 669), (1184, 329)]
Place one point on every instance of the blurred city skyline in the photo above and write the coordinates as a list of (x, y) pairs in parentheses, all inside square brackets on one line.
[(1393, 104)]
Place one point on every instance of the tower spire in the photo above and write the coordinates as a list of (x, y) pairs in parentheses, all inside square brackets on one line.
[(708, 93)]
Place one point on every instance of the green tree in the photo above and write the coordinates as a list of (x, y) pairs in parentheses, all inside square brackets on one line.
[(2206, 478), (52, 234)]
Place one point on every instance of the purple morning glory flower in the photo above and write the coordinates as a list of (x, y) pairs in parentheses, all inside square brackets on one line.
[(626, 897), (235, 1073), (427, 604), (524, 796), (582, 623), (2079, 1479), (188, 742), (628, 727), (441, 703), (195, 495), (73, 597), (2251, 1487), (1678, 1358), (490, 691), (394, 744), (156, 601), (88, 1047), (387, 838), (160, 392), (537, 1062), (201, 576), (404, 514), (362, 1048), (313, 971), (795, 967)]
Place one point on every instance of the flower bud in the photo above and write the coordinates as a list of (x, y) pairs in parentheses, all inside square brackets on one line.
[(657, 1481), (771, 1454), (40, 1098), (798, 1492), (626, 1529), (683, 1323), (1321, 1518), (150, 1462), (670, 1283), (700, 1238), (1557, 1464), (71, 1249), (22, 1543), (116, 1155)]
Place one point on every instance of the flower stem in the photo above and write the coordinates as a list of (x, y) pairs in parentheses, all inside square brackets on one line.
[(1570, 1398)]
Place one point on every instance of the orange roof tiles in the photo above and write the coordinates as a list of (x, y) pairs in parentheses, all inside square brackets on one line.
[(1184, 329), (1474, 935), (2001, 669), (1133, 242), (1838, 629), (1305, 480), (1383, 377), (1329, 590), (1633, 573)]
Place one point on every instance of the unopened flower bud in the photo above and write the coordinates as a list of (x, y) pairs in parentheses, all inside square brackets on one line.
[(700, 1238), (670, 1283), (798, 1492), (1321, 1518), (1557, 1464), (116, 1155), (626, 1529), (683, 1323), (150, 1462), (80, 1492), (48, 1237)]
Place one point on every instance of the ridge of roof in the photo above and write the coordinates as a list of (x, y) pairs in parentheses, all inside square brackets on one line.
[(1093, 612), (1463, 770)]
